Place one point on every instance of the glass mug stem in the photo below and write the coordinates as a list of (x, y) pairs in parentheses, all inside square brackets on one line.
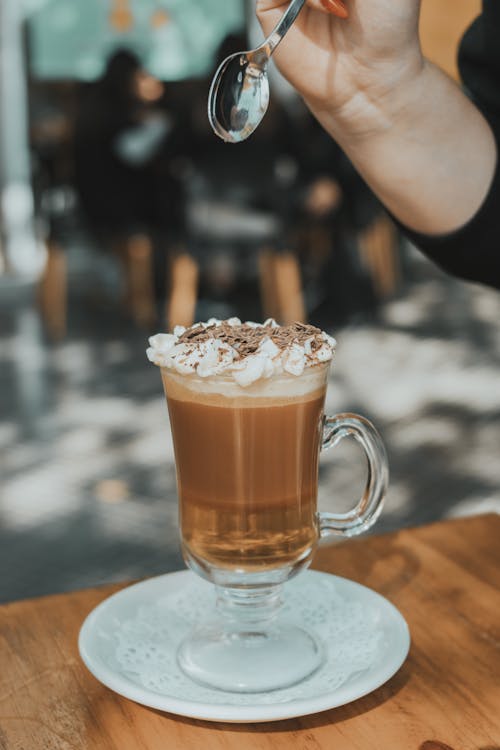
[(368, 509)]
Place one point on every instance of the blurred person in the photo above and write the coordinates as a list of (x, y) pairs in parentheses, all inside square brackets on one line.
[(126, 144), (427, 150), (337, 212)]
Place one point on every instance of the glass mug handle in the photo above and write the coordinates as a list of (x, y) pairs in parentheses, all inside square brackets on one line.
[(367, 511)]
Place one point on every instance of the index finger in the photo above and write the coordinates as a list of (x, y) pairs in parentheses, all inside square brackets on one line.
[(337, 7)]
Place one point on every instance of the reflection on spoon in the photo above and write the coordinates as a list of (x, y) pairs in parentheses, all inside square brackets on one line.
[(239, 94), (241, 99)]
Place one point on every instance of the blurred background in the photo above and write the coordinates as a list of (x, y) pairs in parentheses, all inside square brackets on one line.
[(121, 214)]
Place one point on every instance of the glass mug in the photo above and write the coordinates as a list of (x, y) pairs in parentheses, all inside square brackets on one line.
[(247, 472)]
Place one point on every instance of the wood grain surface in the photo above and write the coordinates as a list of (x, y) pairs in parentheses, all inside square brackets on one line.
[(445, 580)]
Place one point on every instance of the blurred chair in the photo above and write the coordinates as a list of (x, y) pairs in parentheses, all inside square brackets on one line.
[(238, 211), (379, 248), (241, 214), (225, 219), (51, 137), (53, 292), (135, 253), (183, 292), (281, 289)]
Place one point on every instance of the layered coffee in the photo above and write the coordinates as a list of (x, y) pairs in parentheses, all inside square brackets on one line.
[(246, 409)]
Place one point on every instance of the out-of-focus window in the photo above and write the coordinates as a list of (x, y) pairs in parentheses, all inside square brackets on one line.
[(175, 39)]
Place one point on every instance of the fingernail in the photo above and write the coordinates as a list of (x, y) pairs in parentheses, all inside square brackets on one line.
[(335, 6)]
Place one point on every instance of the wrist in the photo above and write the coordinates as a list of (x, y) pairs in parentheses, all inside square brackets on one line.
[(408, 144), (385, 98)]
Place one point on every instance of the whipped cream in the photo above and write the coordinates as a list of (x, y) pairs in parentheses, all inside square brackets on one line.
[(249, 352)]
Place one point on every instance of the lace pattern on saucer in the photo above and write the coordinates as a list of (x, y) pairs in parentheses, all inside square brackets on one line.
[(145, 646)]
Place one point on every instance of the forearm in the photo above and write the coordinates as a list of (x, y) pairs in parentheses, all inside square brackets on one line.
[(422, 146)]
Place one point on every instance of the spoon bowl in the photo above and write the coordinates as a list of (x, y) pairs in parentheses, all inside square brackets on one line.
[(239, 94)]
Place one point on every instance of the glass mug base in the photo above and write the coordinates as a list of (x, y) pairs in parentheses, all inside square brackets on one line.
[(250, 648)]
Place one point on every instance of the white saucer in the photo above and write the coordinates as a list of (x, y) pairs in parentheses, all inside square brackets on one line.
[(129, 643)]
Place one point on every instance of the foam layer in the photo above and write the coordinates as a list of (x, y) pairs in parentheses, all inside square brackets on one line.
[(245, 353), (223, 390)]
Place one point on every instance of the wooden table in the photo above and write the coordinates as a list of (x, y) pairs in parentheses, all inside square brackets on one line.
[(445, 580)]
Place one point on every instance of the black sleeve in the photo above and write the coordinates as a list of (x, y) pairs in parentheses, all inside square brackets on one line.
[(473, 251)]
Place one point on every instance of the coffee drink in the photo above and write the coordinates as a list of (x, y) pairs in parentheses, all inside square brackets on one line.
[(247, 474), (246, 408), (247, 438)]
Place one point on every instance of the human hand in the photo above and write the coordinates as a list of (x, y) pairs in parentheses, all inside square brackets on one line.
[(401, 121), (345, 54)]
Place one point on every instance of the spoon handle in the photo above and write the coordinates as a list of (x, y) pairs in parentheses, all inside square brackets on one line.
[(284, 25)]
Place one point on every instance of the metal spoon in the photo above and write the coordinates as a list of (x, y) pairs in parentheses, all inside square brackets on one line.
[(239, 94)]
